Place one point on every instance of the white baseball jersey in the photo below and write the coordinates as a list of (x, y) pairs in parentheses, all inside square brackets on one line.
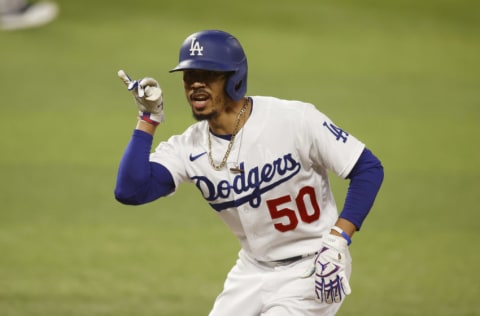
[(282, 202)]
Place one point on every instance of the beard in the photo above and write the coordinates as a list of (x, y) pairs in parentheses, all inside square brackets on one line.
[(203, 117)]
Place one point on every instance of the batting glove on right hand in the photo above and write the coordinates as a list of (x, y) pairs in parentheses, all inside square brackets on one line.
[(331, 283), (148, 97)]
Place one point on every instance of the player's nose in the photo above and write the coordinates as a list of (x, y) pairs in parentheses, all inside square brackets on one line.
[(194, 85)]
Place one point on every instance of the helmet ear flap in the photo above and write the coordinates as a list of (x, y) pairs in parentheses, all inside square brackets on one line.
[(236, 86)]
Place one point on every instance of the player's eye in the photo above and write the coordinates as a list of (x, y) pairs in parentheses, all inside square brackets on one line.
[(191, 76)]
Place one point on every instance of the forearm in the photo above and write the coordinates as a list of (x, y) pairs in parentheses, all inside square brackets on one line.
[(146, 127), (365, 181), (134, 169), (348, 227)]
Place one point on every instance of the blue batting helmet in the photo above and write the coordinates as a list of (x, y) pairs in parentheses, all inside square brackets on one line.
[(216, 51)]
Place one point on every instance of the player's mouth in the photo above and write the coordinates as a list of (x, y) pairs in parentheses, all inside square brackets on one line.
[(199, 100)]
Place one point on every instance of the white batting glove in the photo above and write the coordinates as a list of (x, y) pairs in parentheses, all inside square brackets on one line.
[(148, 96), (331, 283)]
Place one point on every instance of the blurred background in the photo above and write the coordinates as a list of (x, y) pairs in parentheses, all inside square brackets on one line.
[(401, 75)]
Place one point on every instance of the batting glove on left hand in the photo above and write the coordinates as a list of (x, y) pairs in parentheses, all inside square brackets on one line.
[(148, 97), (331, 283)]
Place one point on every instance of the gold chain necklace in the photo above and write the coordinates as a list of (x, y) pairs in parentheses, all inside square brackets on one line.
[(232, 139)]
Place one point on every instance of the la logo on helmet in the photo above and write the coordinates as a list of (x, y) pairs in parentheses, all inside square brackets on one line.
[(195, 48)]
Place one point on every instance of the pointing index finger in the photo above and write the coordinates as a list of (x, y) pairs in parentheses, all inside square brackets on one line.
[(125, 78), (131, 84)]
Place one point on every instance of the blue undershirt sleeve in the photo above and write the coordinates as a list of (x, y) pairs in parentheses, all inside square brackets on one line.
[(366, 178), (140, 181)]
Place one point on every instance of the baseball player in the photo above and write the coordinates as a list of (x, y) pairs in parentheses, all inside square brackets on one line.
[(262, 164)]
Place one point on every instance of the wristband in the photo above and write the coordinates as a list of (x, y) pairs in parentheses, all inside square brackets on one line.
[(344, 234), (145, 116)]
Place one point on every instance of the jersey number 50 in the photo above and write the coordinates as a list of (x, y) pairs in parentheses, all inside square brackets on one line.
[(291, 218)]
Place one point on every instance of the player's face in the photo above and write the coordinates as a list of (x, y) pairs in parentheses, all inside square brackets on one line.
[(205, 92)]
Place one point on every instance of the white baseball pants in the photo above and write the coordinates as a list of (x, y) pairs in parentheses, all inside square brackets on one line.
[(254, 288)]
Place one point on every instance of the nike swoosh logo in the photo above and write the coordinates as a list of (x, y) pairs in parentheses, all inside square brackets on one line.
[(195, 157)]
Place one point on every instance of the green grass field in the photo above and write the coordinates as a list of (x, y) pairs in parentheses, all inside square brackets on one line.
[(403, 76)]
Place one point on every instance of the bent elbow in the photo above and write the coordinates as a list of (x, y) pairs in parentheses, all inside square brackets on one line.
[(124, 198)]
